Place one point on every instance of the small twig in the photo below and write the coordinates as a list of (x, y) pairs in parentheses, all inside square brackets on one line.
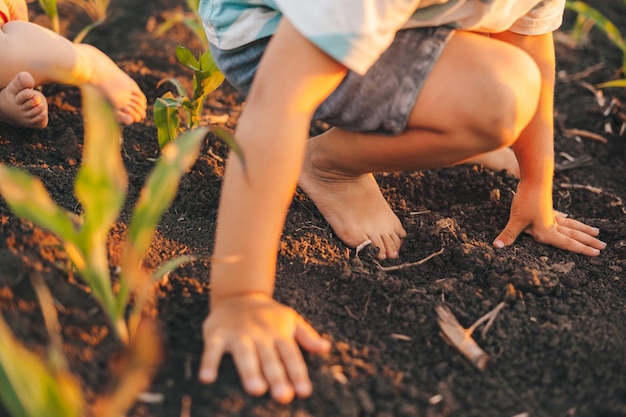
[(595, 190), (489, 317), (214, 155), (402, 337), (362, 246), (582, 74), (597, 93), (350, 313), (460, 338), (417, 213), (410, 264), (572, 133), (571, 163)]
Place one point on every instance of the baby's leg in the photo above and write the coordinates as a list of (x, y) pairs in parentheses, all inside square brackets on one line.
[(51, 58), (22, 105), (123, 92), (457, 116)]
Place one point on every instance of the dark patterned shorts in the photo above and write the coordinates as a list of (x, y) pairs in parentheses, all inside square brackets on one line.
[(379, 101)]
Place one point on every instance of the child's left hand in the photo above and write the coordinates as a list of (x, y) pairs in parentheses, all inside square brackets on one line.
[(532, 214)]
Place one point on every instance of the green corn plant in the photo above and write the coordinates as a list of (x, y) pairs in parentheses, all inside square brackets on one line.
[(176, 114), (96, 10), (100, 187), (52, 12), (588, 17), (191, 19), (35, 386)]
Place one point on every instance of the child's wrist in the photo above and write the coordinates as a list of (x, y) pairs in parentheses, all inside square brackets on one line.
[(217, 299)]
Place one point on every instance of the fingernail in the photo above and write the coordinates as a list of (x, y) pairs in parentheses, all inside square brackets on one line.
[(303, 389), (282, 392), (498, 244), (207, 375), (255, 385)]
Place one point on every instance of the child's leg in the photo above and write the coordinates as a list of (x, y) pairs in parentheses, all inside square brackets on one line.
[(479, 96), (51, 58), (499, 160), (22, 105)]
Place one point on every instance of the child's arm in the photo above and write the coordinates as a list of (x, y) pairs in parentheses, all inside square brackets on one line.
[(293, 78), (531, 210)]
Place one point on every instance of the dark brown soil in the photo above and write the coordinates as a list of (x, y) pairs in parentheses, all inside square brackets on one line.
[(558, 348)]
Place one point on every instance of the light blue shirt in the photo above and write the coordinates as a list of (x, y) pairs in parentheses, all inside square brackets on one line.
[(357, 32)]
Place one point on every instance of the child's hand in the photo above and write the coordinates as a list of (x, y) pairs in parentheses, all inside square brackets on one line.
[(263, 337), (535, 216)]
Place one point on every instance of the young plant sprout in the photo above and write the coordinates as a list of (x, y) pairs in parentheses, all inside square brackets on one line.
[(50, 9), (191, 19), (589, 17), (95, 9), (100, 187), (176, 114)]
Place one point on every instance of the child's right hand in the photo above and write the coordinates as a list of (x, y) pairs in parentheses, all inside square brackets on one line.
[(263, 337)]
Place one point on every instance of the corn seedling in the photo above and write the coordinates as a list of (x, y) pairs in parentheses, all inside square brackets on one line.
[(100, 187), (176, 114), (50, 9), (35, 386), (588, 17), (95, 9), (190, 18)]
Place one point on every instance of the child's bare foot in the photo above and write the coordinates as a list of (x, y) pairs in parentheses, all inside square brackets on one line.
[(355, 209), (123, 92), (498, 160), (22, 105)]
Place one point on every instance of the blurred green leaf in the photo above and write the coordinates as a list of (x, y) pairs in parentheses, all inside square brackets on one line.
[(28, 198), (167, 118), (29, 387)]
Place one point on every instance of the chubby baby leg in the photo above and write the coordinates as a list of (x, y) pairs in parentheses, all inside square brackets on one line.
[(122, 91), (22, 105)]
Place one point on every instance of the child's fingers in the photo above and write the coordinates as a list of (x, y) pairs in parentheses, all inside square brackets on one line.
[(512, 230), (576, 225), (310, 339), (273, 367), (246, 359), (568, 239), (295, 367), (211, 357)]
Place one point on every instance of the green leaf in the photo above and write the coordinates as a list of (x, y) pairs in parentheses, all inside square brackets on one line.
[(167, 119), (185, 57), (229, 140), (50, 9), (602, 23), (30, 388), (28, 198), (614, 83), (180, 88), (101, 181)]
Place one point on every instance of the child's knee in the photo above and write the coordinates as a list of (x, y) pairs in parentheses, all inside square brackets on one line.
[(514, 101)]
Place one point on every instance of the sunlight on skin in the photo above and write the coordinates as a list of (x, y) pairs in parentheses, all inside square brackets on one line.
[(51, 58)]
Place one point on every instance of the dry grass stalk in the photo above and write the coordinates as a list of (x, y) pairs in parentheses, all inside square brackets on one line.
[(461, 338)]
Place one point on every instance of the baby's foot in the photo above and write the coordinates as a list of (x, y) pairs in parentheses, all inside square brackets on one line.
[(498, 160), (22, 105), (355, 209), (123, 92)]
